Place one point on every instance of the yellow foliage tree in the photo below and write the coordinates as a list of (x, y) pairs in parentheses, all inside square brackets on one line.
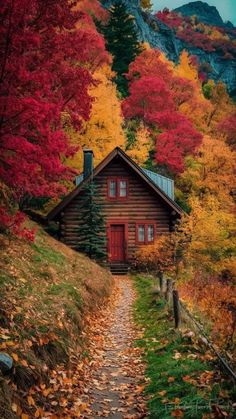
[(215, 34), (146, 4), (221, 104), (212, 171), (186, 69), (143, 144), (103, 131), (210, 230), (211, 225), (196, 110), (198, 107)]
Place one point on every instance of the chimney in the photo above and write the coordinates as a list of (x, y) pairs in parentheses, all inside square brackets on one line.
[(88, 162)]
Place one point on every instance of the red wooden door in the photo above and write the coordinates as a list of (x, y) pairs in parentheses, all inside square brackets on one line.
[(117, 243)]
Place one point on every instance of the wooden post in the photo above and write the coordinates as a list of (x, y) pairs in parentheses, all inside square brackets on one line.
[(161, 281), (168, 289), (176, 308)]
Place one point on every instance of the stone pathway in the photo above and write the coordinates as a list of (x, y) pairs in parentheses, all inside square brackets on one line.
[(117, 381)]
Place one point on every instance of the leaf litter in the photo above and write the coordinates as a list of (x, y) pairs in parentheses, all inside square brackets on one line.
[(116, 378)]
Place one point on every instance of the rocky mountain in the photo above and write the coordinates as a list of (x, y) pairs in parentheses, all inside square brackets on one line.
[(159, 35), (205, 13)]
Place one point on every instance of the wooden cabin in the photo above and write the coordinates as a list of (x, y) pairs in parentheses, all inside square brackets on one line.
[(138, 206)]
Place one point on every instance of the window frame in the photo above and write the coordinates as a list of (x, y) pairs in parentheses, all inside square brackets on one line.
[(117, 179), (146, 223)]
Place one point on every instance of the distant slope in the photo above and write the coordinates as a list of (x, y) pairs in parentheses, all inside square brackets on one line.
[(47, 290)]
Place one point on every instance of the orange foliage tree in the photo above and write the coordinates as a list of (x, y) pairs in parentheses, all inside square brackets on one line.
[(216, 299), (163, 256)]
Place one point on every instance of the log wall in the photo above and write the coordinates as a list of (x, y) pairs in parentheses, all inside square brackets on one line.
[(142, 204)]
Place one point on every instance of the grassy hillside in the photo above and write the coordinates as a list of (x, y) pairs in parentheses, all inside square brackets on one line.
[(47, 293)]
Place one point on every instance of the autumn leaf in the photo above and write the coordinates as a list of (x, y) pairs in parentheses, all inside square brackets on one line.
[(3, 336), (176, 400), (177, 355), (162, 393), (15, 357), (178, 413), (10, 343), (164, 401), (47, 391), (14, 407), (38, 413), (31, 401)]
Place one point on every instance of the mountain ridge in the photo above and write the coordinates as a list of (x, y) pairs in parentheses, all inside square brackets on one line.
[(204, 12), (161, 36)]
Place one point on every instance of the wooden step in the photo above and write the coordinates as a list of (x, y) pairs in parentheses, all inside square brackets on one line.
[(119, 268)]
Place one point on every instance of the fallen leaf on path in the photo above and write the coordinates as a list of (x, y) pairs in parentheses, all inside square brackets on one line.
[(178, 413), (162, 393)]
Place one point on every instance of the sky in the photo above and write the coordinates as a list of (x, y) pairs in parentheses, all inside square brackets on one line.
[(226, 8)]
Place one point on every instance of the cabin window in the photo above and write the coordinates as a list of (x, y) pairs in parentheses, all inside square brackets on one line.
[(141, 233), (150, 233), (145, 232), (117, 188), (123, 188), (112, 189)]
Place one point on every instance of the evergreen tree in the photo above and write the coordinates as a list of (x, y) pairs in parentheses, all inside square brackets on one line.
[(122, 42), (92, 233)]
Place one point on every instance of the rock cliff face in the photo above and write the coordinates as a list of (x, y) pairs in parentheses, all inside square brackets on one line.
[(160, 36)]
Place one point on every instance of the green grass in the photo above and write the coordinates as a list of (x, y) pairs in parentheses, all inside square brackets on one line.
[(167, 374), (6, 279), (65, 288), (45, 254)]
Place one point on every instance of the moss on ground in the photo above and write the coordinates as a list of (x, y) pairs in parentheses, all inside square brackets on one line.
[(183, 381)]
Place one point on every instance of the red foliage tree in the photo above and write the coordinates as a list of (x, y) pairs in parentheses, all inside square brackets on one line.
[(173, 145), (198, 39), (93, 8), (44, 73), (186, 30), (155, 96), (171, 19), (149, 63), (228, 127), (148, 95), (181, 89)]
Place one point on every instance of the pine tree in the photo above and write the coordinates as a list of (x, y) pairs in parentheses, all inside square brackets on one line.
[(91, 231), (122, 42)]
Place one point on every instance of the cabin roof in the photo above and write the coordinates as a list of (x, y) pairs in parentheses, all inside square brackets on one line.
[(162, 186)]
